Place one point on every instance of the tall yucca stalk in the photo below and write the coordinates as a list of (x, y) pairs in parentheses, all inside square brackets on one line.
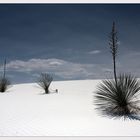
[(113, 43), (4, 70)]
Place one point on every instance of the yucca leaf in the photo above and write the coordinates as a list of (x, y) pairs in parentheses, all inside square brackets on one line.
[(119, 99)]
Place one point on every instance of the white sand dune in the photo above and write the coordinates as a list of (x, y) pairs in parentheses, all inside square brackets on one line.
[(26, 111)]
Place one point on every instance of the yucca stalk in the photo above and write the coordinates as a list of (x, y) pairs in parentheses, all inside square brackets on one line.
[(4, 70), (113, 43)]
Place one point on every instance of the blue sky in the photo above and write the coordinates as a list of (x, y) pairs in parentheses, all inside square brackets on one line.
[(68, 40)]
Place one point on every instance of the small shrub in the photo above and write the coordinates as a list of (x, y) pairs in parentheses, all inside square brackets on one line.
[(4, 84), (44, 81), (119, 99)]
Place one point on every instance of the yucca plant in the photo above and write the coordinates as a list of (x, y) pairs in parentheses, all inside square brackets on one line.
[(4, 82), (119, 99), (44, 81)]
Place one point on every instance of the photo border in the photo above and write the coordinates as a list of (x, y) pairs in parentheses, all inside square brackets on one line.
[(70, 137)]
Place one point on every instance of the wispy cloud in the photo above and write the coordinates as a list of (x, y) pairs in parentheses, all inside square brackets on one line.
[(61, 68), (94, 52), (34, 65)]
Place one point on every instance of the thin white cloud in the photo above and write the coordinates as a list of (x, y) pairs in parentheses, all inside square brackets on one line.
[(107, 70), (58, 67), (94, 52)]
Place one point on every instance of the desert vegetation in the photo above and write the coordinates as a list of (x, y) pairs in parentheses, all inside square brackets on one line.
[(118, 97), (44, 81), (4, 81), (121, 99)]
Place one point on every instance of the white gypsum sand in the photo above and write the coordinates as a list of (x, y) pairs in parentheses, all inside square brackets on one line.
[(26, 111)]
